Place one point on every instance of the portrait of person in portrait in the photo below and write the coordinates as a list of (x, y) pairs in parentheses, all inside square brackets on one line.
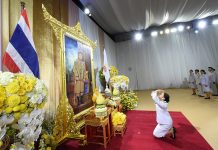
[(78, 74)]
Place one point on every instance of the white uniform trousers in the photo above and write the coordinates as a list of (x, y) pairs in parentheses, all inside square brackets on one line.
[(161, 130), (213, 89), (200, 90)]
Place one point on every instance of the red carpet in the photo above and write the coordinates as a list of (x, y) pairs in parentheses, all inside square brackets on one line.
[(138, 136)]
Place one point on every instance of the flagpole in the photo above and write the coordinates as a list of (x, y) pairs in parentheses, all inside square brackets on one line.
[(22, 5)]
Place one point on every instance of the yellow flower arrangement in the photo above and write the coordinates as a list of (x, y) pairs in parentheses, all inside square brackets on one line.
[(47, 141), (118, 118), (119, 81), (22, 98), (113, 71), (129, 100)]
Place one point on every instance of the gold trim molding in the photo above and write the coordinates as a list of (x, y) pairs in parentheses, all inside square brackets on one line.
[(65, 120)]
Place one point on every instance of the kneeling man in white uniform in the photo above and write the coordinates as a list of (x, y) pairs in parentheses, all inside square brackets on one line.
[(164, 120)]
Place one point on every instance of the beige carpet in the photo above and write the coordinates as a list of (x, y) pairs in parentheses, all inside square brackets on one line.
[(203, 114)]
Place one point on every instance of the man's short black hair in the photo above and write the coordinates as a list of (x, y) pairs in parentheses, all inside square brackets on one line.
[(166, 97)]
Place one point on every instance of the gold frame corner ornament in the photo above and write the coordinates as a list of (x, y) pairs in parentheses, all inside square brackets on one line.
[(65, 124)]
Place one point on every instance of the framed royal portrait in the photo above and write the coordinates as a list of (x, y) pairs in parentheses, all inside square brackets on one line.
[(77, 79), (78, 63)]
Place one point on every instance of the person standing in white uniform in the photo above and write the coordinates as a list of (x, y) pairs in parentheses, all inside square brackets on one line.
[(198, 83), (216, 76), (205, 84), (192, 82), (212, 80), (163, 118)]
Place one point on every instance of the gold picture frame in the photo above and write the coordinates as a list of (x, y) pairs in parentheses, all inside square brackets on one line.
[(68, 124)]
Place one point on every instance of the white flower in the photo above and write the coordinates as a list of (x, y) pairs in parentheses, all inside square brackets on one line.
[(20, 146), (24, 119), (5, 120), (29, 126), (2, 132), (6, 77), (123, 85), (39, 86)]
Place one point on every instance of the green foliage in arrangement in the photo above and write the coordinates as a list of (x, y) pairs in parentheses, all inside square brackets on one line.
[(129, 100)]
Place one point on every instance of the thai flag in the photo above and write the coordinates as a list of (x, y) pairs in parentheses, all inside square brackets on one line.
[(20, 55)]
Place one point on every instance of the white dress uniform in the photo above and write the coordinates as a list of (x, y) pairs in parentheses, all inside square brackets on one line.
[(163, 118), (205, 83), (212, 80), (199, 86), (216, 76), (191, 81)]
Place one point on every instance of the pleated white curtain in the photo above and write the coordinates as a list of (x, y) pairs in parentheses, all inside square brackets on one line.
[(164, 61), (110, 47), (88, 27)]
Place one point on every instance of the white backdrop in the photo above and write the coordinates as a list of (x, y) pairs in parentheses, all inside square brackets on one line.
[(110, 48), (91, 30), (164, 61)]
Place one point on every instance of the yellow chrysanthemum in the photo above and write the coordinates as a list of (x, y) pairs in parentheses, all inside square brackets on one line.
[(23, 85), (113, 71), (31, 144), (8, 110), (13, 87), (17, 115), (23, 99), (13, 100), (16, 108), (21, 91), (47, 141), (23, 107), (31, 80), (1, 143), (45, 136), (21, 78), (2, 93), (48, 148), (29, 86), (41, 105), (1, 103), (52, 138), (29, 110), (118, 118)]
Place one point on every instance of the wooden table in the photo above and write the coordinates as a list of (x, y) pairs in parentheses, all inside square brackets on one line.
[(93, 125)]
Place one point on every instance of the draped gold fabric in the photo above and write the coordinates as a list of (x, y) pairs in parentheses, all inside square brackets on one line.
[(48, 48), (46, 44)]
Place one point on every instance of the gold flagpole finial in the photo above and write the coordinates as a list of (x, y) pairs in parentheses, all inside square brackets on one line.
[(22, 5)]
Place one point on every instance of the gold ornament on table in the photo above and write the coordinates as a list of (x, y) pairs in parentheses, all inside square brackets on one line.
[(100, 107), (68, 124)]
